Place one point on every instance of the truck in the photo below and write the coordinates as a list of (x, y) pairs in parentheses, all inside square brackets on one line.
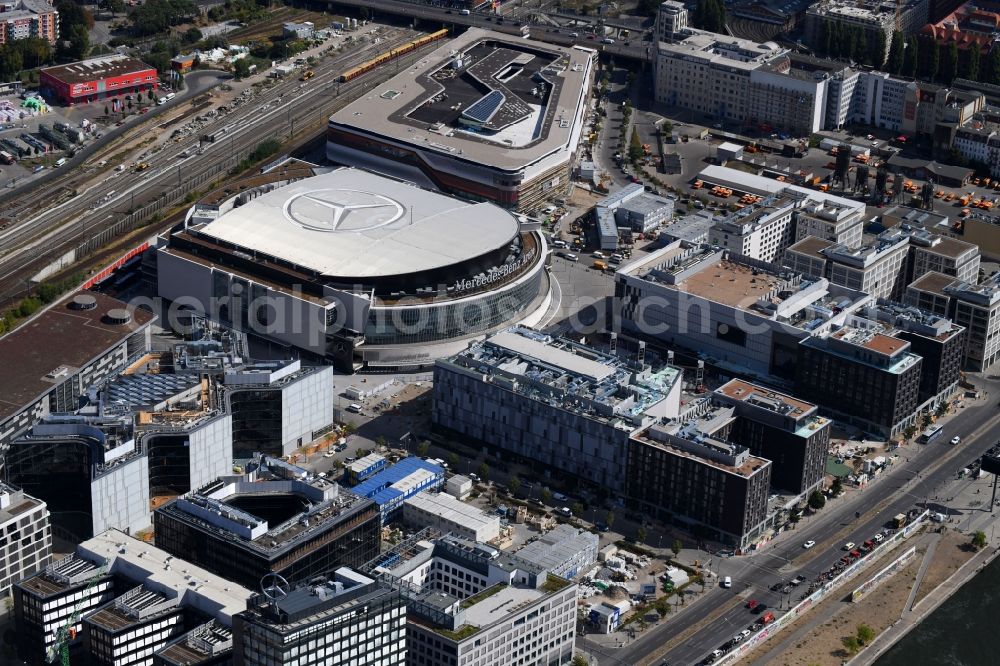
[(6, 157), (899, 520)]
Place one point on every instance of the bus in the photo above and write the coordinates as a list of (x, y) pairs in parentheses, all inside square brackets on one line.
[(932, 432), (6, 157)]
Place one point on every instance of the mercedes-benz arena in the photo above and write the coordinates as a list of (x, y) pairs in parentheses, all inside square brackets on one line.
[(357, 268), (488, 116)]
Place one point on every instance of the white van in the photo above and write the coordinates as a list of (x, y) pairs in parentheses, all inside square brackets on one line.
[(354, 407), (465, 12), (60, 162)]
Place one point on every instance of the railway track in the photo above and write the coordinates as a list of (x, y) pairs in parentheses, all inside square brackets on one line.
[(288, 112)]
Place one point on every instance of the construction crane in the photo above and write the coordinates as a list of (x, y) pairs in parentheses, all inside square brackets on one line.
[(67, 632)]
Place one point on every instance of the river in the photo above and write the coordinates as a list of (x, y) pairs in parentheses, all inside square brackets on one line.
[(955, 634)]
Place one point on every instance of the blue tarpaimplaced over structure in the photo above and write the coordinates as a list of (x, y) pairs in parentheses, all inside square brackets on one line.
[(392, 486)]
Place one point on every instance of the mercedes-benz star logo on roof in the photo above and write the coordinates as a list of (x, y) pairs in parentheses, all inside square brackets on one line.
[(342, 210)]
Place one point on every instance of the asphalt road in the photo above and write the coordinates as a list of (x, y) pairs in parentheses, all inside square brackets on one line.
[(642, 51), (907, 485)]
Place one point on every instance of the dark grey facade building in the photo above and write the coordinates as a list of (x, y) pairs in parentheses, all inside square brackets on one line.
[(346, 620), (785, 430), (688, 474), (276, 518), (861, 376)]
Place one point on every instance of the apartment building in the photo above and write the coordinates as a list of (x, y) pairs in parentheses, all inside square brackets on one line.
[(830, 220), (937, 340), (26, 536), (781, 428), (884, 267), (344, 619), (861, 376), (735, 312), (977, 308), (877, 20), (942, 254), (738, 80), (671, 19), (688, 474), (468, 604), (552, 402), (759, 231), (20, 19), (928, 293)]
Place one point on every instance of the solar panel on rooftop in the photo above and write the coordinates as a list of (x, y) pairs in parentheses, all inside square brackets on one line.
[(485, 107)]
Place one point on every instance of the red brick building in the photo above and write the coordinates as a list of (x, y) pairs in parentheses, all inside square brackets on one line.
[(96, 79)]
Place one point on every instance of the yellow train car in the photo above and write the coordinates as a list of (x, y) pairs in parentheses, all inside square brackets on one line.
[(389, 55)]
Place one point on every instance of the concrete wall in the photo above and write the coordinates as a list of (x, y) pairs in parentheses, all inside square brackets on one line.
[(210, 448), (120, 498), (306, 407)]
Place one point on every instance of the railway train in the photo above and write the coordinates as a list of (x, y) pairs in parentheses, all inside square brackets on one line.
[(388, 56)]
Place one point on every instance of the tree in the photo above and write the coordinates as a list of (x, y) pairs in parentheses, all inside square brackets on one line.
[(106, 110), (934, 65), (837, 486), (992, 74), (453, 460), (973, 62), (911, 58), (192, 35), (79, 42), (876, 55), (851, 644), (422, 448), (676, 547), (241, 68), (894, 63), (580, 660), (949, 64), (577, 509), (979, 540), (609, 519), (640, 535), (514, 484), (546, 495), (484, 471), (816, 500), (865, 634)]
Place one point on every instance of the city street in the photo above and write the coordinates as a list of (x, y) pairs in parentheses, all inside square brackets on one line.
[(927, 472)]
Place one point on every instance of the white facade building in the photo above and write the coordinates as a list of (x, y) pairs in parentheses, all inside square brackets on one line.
[(448, 514)]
